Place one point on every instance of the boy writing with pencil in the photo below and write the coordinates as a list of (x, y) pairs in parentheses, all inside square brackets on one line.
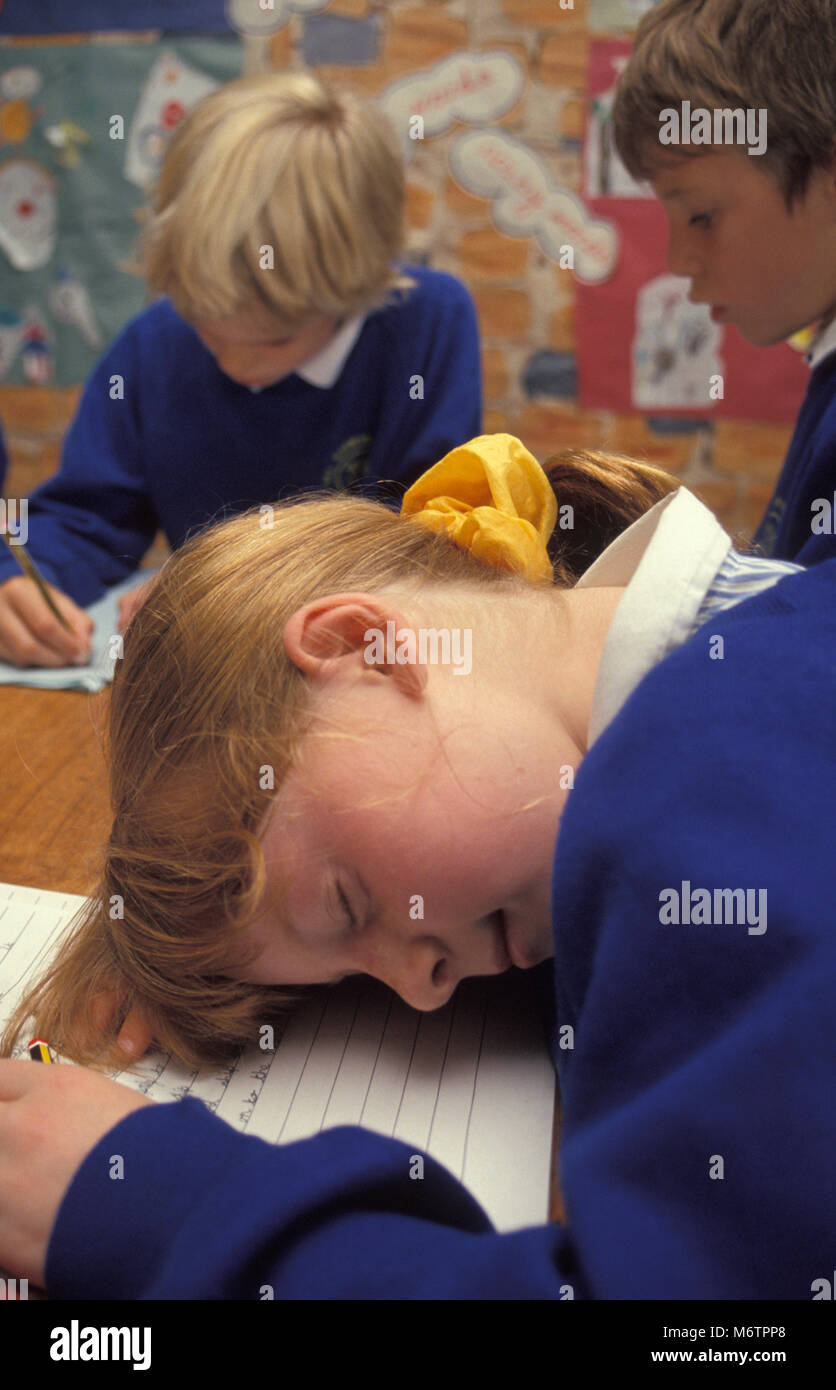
[(756, 233), (291, 351)]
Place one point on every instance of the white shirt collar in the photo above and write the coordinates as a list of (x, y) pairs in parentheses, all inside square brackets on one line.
[(822, 345), (668, 560), (323, 369), (325, 366)]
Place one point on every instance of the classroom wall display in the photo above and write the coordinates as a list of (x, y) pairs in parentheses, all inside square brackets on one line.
[(642, 345), (71, 196), (525, 202), (256, 17), (171, 88), (472, 87), (607, 15), (604, 174)]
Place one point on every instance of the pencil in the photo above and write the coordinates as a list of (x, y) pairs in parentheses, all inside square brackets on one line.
[(39, 1050), (27, 564)]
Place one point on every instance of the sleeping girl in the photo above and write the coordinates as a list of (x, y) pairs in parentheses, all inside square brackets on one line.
[(645, 711)]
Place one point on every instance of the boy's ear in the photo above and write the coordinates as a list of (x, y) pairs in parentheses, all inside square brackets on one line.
[(330, 635)]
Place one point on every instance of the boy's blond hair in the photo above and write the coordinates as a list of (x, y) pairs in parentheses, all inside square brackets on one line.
[(278, 161), (777, 55)]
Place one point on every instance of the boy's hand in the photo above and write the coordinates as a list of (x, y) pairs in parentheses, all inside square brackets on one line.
[(50, 1119), (30, 635), (130, 602)]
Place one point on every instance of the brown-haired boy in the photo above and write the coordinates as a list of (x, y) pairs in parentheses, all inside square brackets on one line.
[(756, 233)]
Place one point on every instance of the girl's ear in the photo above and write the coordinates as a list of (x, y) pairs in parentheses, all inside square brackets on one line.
[(329, 637)]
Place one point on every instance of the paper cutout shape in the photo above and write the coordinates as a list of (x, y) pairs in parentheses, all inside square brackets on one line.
[(70, 303), (604, 174), (36, 348), (675, 347), (526, 202), (67, 137), (472, 87), (11, 332), (171, 89), (254, 17), (19, 83), (28, 213), (16, 121)]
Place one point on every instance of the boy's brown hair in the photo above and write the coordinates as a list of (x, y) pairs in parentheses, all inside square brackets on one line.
[(777, 55)]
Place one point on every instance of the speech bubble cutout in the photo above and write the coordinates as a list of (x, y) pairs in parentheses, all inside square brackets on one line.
[(527, 203), (254, 17), (470, 87)]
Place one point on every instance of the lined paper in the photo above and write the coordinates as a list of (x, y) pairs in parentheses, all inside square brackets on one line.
[(471, 1084)]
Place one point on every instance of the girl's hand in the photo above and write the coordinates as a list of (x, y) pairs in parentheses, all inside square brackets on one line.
[(51, 1116), (135, 1035), (130, 602)]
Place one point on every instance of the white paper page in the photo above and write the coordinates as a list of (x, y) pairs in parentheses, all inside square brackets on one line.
[(471, 1084)]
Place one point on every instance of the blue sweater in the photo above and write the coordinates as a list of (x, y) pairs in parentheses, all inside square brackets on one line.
[(186, 444), (699, 1126), (809, 472)]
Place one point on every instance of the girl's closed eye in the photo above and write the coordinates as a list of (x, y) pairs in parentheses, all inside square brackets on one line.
[(702, 219), (346, 906)]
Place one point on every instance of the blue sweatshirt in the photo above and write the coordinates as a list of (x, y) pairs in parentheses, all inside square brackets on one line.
[(808, 474), (178, 444), (699, 1129)]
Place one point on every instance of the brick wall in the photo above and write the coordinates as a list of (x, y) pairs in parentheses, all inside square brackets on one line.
[(524, 301)]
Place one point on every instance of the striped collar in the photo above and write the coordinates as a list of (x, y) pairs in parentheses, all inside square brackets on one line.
[(678, 569)]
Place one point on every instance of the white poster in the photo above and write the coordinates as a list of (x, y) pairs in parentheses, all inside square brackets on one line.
[(675, 347)]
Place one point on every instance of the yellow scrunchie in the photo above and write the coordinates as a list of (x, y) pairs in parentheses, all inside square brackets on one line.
[(492, 498)]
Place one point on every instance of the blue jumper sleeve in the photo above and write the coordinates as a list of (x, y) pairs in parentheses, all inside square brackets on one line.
[(90, 524), (205, 1212)]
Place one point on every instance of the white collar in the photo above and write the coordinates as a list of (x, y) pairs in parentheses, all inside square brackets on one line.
[(323, 369), (325, 366), (667, 560), (822, 345)]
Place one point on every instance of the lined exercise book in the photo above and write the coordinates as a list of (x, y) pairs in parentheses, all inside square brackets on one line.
[(471, 1084)]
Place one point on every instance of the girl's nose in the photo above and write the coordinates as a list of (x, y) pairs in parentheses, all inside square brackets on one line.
[(416, 968)]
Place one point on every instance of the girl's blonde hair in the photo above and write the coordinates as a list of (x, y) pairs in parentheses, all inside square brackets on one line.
[(277, 167), (203, 702), (773, 55)]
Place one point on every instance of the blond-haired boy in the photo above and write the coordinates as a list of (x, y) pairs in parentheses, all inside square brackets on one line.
[(291, 349), (755, 232)]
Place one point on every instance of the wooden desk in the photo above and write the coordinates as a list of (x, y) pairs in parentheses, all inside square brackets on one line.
[(54, 811)]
